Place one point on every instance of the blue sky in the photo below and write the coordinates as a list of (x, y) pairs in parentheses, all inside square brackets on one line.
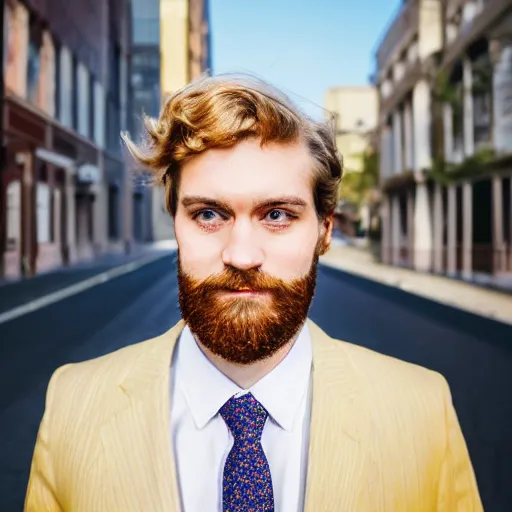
[(301, 46)]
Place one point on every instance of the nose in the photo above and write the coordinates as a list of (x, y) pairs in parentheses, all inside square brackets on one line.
[(243, 249)]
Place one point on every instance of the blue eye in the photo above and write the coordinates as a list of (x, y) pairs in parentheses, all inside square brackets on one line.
[(205, 215), (277, 215)]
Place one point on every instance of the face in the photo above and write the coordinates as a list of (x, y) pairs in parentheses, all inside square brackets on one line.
[(249, 239)]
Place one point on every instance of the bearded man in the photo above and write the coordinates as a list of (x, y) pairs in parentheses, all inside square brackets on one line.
[(246, 404)]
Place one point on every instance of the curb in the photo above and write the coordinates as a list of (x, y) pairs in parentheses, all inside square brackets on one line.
[(398, 282)]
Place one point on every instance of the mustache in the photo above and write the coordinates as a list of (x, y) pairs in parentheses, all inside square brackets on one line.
[(234, 279)]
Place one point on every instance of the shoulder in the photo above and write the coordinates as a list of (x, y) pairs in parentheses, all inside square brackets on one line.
[(103, 371), (378, 366), (94, 388), (383, 374)]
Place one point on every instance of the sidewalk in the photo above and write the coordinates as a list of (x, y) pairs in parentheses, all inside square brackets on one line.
[(474, 299), (18, 292)]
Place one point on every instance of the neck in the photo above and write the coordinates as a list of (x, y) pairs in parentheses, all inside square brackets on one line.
[(246, 375)]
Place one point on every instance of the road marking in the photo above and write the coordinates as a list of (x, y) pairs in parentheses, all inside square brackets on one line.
[(76, 288)]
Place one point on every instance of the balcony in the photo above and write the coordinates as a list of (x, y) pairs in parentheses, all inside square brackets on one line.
[(492, 12), (399, 34), (399, 89)]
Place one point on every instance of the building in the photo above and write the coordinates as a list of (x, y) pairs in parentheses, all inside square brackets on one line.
[(64, 183), (184, 55), (444, 74), (147, 100), (354, 111)]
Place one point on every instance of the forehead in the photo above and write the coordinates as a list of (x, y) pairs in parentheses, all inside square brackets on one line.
[(248, 170)]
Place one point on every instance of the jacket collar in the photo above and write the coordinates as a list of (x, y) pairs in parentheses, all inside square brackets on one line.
[(338, 462)]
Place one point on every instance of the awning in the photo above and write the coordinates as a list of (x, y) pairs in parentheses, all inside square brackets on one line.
[(56, 159)]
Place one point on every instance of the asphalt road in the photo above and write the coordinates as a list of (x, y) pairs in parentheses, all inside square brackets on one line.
[(474, 354)]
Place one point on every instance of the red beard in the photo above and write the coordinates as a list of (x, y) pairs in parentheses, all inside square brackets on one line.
[(245, 329)]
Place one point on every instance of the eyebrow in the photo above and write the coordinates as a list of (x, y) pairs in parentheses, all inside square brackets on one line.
[(276, 201)]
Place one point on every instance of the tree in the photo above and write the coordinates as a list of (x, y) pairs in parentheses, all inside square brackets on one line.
[(357, 187)]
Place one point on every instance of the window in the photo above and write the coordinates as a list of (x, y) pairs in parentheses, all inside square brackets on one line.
[(92, 135), (43, 213), (33, 60), (66, 87), (84, 99), (74, 93), (113, 106), (13, 215), (57, 80)]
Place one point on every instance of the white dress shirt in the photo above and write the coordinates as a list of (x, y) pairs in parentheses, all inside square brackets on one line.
[(201, 440)]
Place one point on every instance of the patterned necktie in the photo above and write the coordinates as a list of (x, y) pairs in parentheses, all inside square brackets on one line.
[(247, 485)]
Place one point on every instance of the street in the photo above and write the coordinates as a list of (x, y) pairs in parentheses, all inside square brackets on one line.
[(473, 353)]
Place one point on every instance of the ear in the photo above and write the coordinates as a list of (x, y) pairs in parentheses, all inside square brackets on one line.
[(325, 238)]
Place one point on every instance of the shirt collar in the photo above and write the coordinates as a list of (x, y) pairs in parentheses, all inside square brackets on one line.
[(206, 389)]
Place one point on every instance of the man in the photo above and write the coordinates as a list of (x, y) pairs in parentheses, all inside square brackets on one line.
[(246, 404)]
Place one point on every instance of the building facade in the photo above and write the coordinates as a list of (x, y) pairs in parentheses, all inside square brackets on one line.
[(353, 110), (146, 100), (63, 185), (444, 74), (185, 54)]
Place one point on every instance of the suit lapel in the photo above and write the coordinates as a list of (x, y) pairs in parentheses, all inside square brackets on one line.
[(136, 438), (139, 466), (338, 463)]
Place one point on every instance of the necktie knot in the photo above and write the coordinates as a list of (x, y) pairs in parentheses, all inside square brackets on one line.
[(245, 417)]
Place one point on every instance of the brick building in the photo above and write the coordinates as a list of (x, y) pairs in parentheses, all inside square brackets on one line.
[(65, 189)]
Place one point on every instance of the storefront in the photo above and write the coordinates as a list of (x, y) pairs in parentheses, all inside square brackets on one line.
[(49, 186)]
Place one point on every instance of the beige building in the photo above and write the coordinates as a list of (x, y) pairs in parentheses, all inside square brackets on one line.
[(355, 112), (185, 55), (444, 76)]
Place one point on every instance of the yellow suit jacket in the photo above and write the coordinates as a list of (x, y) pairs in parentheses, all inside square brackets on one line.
[(384, 435)]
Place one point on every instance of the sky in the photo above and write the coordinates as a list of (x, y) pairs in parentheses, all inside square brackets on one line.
[(302, 46)]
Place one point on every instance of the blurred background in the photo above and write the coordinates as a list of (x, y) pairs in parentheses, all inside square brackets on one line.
[(419, 93)]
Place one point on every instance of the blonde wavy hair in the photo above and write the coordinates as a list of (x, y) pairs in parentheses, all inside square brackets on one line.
[(219, 112)]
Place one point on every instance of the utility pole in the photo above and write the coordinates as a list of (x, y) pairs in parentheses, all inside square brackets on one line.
[(3, 205)]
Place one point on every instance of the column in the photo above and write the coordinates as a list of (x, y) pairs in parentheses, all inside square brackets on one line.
[(469, 137), (422, 229), (410, 228), (397, 142), (100, 209), (385, 219), (385, 162), (448, 132), (408, 139), (70, 214), (467, 231), (438, 228), (29, 227), (452, 231), (396, 234), (498, 239), (127, 209), (421, 126)]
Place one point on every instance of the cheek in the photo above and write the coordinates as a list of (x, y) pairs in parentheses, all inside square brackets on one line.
[(198, 252), (291, 258)]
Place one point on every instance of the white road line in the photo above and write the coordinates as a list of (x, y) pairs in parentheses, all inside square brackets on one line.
[(58, 295)]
